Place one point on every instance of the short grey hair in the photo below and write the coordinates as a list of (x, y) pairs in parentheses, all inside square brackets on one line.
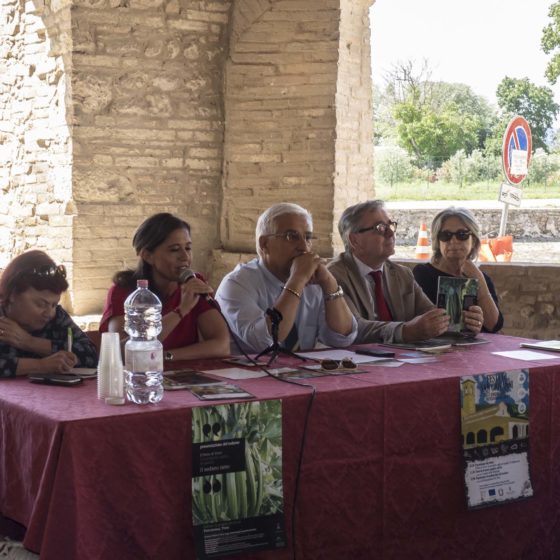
[(467, 217), (352, 216), (266, 224)]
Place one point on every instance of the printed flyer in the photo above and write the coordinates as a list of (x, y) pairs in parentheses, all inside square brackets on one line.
[(495, 437), (237, 490)]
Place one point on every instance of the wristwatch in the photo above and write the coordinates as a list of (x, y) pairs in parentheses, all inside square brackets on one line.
[(168, 355), (339, 293)]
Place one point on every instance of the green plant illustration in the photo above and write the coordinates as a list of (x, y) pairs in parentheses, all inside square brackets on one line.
[(255, 491)]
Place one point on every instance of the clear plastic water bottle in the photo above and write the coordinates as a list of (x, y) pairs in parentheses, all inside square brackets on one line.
[(143, 352)]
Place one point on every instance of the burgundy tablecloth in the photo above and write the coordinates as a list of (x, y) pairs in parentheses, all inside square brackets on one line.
[(381, 478)]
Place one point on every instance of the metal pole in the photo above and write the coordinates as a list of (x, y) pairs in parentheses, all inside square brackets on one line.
[(503, 221)]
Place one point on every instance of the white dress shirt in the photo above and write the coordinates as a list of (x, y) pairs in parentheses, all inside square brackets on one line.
[(248, 291)]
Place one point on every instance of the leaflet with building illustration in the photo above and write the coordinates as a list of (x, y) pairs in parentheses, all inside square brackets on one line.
[(454, 295), (495, 437)]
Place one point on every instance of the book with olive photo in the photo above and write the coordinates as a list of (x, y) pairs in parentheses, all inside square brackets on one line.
[(237, 485), (456, 294)]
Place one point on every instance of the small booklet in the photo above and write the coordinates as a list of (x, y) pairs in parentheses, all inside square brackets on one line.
[(461, 339), (219, 391), (552, 345), (185, 379), (454, 295), (429, 345)]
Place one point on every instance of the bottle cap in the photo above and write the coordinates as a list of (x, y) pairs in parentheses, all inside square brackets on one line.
[(142, 283)]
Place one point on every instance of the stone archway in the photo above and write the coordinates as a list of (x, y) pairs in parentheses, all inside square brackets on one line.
[(211, 110)]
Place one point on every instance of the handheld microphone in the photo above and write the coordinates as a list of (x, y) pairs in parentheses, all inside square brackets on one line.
[(186, 275)]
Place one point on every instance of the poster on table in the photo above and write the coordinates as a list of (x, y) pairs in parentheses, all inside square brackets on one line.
[(495, 437), (237, 491)]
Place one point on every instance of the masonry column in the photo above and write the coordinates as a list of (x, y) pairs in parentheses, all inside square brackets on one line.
[(298, 119)]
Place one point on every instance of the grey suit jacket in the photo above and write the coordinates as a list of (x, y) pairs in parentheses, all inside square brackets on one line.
[(404, 296)]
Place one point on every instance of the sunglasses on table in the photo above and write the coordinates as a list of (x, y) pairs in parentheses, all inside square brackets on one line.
[(333, 365), (382, 228), (461, 235), (49, 270)]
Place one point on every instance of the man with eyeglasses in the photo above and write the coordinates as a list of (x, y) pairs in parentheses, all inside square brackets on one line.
[(388, 303), (290, 279)]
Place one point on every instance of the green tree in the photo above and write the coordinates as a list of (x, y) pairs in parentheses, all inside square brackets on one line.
[(550, 42), (392, 165), (432, 137), (534, 103), (433, 120)]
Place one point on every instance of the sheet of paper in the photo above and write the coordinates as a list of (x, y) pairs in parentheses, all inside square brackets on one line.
[(386, 363), (427, 360), (525, 355), (337, 354), (237, 373)]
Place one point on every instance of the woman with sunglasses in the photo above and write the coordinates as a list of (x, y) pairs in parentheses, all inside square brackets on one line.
[(34, 329), (455, 245), (191, 326)]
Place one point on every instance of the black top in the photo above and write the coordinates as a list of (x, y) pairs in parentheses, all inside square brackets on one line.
[(427, 277), (56, 331)]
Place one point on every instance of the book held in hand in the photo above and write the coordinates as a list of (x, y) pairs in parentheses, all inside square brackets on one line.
[(455, 294)]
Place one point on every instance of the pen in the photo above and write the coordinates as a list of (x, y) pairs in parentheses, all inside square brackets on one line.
[(69, 339)]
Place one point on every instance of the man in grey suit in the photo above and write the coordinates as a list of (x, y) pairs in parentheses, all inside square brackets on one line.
[(383, 296)]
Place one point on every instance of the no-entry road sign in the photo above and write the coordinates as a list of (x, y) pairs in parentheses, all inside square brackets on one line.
[(516, 150)]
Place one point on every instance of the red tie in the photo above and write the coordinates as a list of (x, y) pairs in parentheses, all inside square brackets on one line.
[(381, 307)]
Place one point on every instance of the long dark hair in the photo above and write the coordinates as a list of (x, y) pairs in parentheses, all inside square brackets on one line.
[(33, 269), (151, 233)]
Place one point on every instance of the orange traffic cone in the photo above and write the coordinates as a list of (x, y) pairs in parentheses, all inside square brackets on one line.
[(423, 249)]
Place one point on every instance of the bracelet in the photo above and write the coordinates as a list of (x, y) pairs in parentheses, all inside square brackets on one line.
[(339, 293), (297, 294), (178, 311)]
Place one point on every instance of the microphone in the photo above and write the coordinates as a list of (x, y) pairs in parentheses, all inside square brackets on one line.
[(186, 275)]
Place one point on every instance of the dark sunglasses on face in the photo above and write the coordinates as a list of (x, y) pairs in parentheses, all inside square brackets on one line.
[(461, 235), (331, 365), (381, 228), (49, 270)]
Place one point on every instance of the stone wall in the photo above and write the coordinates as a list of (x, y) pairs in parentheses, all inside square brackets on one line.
[(525, 223), (298, 118), (148, 136), (35, 138)]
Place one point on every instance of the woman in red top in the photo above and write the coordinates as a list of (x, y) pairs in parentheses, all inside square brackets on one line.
[(191, 327)]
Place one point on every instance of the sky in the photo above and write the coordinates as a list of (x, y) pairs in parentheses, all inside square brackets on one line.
[(476, 43)]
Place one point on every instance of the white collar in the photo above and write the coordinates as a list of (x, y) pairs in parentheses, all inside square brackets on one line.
[(364, 269)]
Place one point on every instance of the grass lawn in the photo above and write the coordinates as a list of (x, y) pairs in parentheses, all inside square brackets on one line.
[(448, 191)]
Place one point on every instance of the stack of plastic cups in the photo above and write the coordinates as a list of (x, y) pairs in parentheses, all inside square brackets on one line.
[(110, 375)]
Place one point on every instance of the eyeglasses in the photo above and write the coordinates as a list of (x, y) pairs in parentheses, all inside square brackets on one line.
[(461, 235), (381, 228), (331, 365), (49, 270), (294, 236)]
